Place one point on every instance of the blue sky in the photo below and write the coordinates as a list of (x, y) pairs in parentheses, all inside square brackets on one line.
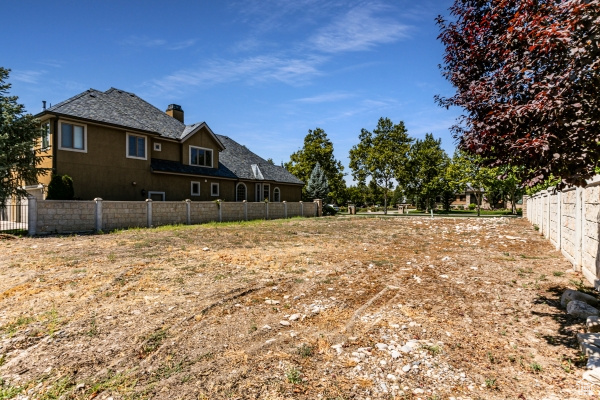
[(262, 72)]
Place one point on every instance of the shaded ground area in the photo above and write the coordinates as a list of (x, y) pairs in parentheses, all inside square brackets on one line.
[(329, 308)]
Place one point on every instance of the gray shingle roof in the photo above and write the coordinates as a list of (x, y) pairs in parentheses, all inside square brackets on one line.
[(240, 160), (118, 107)]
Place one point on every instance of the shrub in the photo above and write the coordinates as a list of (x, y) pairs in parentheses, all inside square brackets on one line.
[(61, 188), (472, 206), (328, 210)]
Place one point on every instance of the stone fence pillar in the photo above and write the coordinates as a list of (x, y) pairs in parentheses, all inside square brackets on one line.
[(31, 215), (319, 207), (98, 214)]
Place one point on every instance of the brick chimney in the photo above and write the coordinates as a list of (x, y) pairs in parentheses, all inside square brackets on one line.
[(175, 111)]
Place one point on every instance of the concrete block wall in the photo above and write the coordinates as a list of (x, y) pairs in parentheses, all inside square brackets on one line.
[(231, 212), (570, 219), (61, 216), (203, 212), (123, 214), (53, 216), (169, 213)]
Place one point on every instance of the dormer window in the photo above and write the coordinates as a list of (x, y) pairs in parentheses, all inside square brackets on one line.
[(201, 157)]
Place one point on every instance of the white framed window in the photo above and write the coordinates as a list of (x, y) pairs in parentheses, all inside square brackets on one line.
[(72, 137), (156, 196), (157, 147), (266, 192), (214, 189), (240, 192), (45, 138), (136, 147), (195, 188), (201, 157), (276, 195)]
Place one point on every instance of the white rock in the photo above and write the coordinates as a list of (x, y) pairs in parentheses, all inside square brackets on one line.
[(284, 323), (418, 391), (381, 346), (271, 302), (294, 317), (266, 327), (269, 341), (391, 377), (406, 368), (444, 276), (338, 347), (395, 354)]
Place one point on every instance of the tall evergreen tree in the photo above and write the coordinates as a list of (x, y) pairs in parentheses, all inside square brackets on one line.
[(317, 187), (20, 134)]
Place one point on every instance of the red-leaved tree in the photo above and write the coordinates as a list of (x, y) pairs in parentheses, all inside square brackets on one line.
[(527, 75)]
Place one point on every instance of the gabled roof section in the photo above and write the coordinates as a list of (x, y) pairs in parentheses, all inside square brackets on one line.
[(243, 163), (190, 130)]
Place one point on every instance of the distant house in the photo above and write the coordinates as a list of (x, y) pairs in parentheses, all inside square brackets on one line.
[(117, 146)]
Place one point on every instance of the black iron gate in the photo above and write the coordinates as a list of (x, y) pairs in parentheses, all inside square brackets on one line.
[(13, 217)]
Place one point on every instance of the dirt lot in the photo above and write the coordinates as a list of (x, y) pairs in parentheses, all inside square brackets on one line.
[(329, 308)]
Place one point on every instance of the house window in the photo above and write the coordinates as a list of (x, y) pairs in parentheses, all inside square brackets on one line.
[(266, 192), (73, 137), (136, 146), (195, 188), (214, 189), (201, 157), (45, 136), (276, 195), (240, 192), (157, 147)]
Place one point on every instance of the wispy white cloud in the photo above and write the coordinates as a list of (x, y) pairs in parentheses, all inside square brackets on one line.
[(326, 97), (142, 41), (27, 76), (292, 71), (359, 29)]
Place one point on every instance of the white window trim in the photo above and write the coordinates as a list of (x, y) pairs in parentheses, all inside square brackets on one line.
[(200, 148), (278, 191), (161, 193), (157, 146), (42, 147), (192, 188), (145, 147), (85, 142), (245, 192), (212, 185)]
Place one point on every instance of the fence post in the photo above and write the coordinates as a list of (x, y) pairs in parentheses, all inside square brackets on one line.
[(149, 213), (319, 212), (245, 209), (31, 215), (301, 208), (578, 229), (284, 209), (220, 205), (188, 211), (266, 210), (559, 222), (98, 214)]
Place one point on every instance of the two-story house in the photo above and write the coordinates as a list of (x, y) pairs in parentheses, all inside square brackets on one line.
[(117, 146)]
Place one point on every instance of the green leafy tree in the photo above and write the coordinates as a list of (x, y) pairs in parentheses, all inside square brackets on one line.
[(381, 155), (319, 149), (426, 169), (19, 133), (468, 172), (317, 187)]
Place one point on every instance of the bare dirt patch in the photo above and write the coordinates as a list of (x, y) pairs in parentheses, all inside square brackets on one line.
[(329, 308)]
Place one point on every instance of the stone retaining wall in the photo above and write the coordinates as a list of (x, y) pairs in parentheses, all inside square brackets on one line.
[(61, 216), (570, 219)]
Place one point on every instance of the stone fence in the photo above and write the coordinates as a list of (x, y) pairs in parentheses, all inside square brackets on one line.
[(570, 219), (67, 216)]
